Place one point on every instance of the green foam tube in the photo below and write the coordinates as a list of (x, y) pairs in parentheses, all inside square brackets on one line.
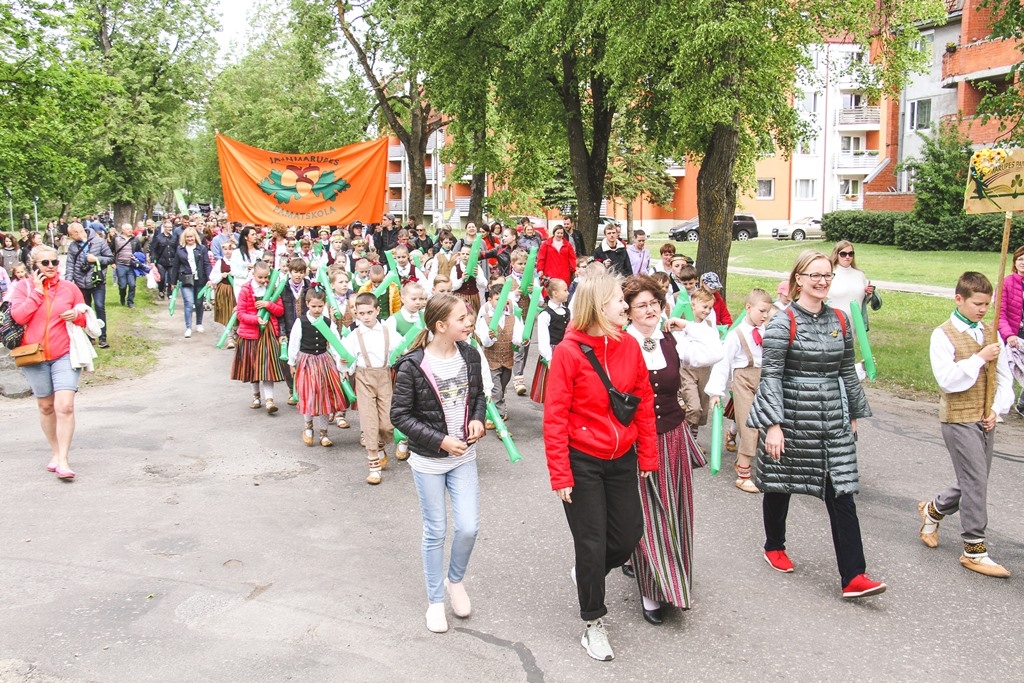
[(334, 341), (383, 286), (737, 321), (346, 388), (502, 431), (400, 437), (682, 307), (407, 340), (531, 314), (174, 299), (862, 339), (531, 265), (232, 321), (284, 350), (474, 256), (264, 314), (499, 308), (715, 461)]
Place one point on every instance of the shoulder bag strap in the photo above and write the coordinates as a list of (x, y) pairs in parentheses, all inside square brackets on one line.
[(589, 353)]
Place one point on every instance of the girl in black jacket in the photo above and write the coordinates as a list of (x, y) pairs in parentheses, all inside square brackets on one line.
[(439, 405)]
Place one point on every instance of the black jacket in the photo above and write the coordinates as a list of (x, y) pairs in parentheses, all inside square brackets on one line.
[(180, 266), (416, 408), (288, 301), (161, 249), (619, 258)]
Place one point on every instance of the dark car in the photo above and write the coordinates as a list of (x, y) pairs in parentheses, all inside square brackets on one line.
[(744, 227)]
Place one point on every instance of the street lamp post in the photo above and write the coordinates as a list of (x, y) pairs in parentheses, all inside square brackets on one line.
[(35, 208), (10, 206)]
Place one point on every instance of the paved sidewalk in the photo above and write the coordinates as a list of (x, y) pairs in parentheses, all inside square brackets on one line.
[(884, 285)]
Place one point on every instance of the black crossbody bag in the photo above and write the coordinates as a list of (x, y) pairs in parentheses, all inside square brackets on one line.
[(623, 405)]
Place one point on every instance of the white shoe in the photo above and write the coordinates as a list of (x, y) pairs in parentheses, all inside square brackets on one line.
[(199, 329), (460, 599), (595, 640), (188, 332), (437, 622)]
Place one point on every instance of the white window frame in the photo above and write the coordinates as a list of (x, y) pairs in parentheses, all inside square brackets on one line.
[(771, 194), (808, 147), (913, 113), (848, 144), (809, 184), (925, 43), (850, 187)]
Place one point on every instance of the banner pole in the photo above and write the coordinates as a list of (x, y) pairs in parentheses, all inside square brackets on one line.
[(1007, 224)]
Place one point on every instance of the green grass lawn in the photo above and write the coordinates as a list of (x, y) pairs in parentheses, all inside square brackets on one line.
[(132, 351)]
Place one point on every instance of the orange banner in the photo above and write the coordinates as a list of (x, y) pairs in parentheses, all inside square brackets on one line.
[(334, 187)]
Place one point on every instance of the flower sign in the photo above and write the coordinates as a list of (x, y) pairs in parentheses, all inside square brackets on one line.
[(995, 181)]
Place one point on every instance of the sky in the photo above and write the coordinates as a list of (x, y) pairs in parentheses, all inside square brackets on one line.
[(233, 15)]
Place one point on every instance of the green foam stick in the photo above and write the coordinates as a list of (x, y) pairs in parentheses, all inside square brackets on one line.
[(334, 341), (264, 314), (204, 292), (531, 314), (499, 308), (474, 256), (416, 259), (738, 320), (407, 341), (862, 339), (400, 437), (502, 431), (715, 460), (174, 299), (392, 264), (682, 307), (346, 388), (232, 321), (531, 265), (386, 283), (284, 350), (332, 299), (295, 392)]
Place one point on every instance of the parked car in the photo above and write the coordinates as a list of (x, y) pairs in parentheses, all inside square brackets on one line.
[(798, 230), (744, 227)]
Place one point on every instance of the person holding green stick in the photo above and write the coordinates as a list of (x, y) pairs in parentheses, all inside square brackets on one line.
[(258, 350), (496, 328)]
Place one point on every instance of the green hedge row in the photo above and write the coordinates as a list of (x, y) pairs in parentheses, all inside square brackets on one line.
[(981, 232)]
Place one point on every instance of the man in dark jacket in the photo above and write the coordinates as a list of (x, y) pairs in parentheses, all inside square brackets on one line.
[(85, 253), (386, 238), (612, 252), (579, 244), (161, 254)]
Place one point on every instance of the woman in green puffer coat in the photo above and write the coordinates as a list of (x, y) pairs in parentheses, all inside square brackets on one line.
[(806, 409)]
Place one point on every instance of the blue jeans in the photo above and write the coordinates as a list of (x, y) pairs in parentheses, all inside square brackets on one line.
[(126, 281), (188, 295), (461, 484), (97, 298)]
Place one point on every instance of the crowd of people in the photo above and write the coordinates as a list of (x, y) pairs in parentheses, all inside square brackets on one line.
[(425, 336)]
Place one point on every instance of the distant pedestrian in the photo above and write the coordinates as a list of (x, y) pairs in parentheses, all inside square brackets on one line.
[(88, 258), (124, 246), (1011, 320)]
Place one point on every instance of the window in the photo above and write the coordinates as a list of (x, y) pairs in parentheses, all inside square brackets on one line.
[(920, 115), (809, 103), (766, 188), (853, 100), (807, 147), (925, 44), (849, 187), (850, 143), (804, 188)]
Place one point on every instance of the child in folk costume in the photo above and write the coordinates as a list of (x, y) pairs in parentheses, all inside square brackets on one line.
[(498, 347), (695, 379), (414, 300), (742, 365), (440, 285), (444, 258), (224, 292), (466, 288), (552, 322), (315, 367), (258, 350), (407, 271), (293, 299), (390, 301), (360, 272), (517, 264), (371, 344), (343, 319), (971, 367)]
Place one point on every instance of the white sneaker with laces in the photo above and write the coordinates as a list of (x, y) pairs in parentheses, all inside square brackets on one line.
[(437, 622), (199, 329), (188, 332), (595, 641)]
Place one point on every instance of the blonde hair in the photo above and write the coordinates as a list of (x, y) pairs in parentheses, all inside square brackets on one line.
[(757, 296), (38, 251), (701, 294), (805, 259), (590, 299), (840, 246), (181, 240)]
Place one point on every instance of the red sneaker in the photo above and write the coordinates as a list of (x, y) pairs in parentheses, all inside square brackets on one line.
[(778, 560), (861, 587)]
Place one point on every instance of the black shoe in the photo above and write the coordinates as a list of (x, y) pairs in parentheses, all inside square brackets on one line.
[(103, 344), (628, 570), (161, 296), (652, 616)]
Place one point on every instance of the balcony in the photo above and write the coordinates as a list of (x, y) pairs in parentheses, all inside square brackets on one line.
[(861, 159), (430, 173), (396, 206), (859, 118), (462, 204), (428, 204), (396, 152), (396, 178), (981, 59), (849, 202)]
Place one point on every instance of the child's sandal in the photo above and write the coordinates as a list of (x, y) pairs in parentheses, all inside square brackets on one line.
[(324, 441), (255, 405), (307, 434)]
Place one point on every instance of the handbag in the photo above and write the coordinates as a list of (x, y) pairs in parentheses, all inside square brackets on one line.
[(187, 279), (29, 354), (96, 278), (623, 405), (10, 331)]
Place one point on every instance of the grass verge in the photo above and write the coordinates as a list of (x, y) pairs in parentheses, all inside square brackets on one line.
[(133, 346)]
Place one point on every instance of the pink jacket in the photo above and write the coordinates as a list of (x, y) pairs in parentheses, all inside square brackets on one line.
[(40, 313), (248, 322), (1012, 306)]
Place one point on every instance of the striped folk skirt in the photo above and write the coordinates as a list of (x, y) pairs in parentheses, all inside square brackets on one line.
[(540, 382), (223, 302), (318, 385), (256, 360), (662, 559)]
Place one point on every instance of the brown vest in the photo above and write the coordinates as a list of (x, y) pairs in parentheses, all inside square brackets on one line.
[(444, 265), (974, 404), (500, 354)]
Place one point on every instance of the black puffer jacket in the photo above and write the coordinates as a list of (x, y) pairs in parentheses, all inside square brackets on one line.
[(811, 389), (416, 408)]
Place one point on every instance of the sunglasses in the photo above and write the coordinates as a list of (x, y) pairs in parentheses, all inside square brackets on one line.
[(48, 262), (844, 254)]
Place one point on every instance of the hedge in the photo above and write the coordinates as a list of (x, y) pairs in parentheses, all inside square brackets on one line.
[(979, 232), (864, 227)]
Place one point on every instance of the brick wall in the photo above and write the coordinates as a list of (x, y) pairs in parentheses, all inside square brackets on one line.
[(889, 201)]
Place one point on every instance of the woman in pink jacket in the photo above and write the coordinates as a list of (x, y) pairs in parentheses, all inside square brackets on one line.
[(44, 304), (256, 355), (1011, 312)]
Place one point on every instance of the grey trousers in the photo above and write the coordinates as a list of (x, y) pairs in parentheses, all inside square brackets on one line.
[(970, 448), (501, 378), (519, 361)]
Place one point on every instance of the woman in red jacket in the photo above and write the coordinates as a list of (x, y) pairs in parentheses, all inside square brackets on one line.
[(44, 304), (256, 356), (592, 457), (557, 258)]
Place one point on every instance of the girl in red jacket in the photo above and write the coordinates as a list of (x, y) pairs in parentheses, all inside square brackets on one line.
[(556, 257), (592, 457), (256, 356)]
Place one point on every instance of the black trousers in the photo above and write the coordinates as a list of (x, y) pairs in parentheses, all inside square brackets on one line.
[(842, 515), (606, 522)]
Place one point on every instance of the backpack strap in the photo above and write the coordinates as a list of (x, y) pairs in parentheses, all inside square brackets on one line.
[(842, 322), (792, 325)]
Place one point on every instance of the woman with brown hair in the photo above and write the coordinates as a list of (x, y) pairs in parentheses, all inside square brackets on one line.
[(594, 450), (850, 285)]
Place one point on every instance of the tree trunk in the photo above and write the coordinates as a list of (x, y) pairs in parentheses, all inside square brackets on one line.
[(716, 200), (416, 158), (629, 221), (123, 213), (477, 188)]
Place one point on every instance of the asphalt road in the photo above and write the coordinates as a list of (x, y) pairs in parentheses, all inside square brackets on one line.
[(203, 541)]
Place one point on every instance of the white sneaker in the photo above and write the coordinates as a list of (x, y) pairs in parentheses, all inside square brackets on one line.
[(572, 575), (188, 332), (595, 640), (436, 620), (460, 599), (199, 329)]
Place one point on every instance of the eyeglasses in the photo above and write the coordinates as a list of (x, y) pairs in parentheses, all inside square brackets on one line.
[(653, 304), (817, 277), (846, 254), (48, 262)]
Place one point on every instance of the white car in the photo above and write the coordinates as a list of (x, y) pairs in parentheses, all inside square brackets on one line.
[(801, 229)]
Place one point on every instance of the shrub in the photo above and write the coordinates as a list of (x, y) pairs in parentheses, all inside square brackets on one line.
[(959, 232), (863, 227)]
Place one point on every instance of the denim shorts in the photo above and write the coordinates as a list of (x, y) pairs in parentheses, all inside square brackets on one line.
[(52, 375)]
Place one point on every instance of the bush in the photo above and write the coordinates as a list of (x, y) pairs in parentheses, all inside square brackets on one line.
[(978, 232), (861, 227)]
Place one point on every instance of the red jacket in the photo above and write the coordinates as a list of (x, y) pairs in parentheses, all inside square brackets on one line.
[(722, 316), (577, 410), (557, 263), (40, 313), (248, 322)]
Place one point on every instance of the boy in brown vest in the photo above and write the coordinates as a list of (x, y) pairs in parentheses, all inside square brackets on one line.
[(498, 347), (971, 369)]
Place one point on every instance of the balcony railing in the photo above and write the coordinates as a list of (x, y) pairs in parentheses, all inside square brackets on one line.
[(396, 205), (462, 204), (430, 173), (395, 178), (428, 203), (849, 203), (396, 151), (859, 116), (859, 159)]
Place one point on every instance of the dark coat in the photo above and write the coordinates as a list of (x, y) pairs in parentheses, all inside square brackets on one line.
[(619, 258), (180, 265), (288, 301), (78, 269), (810, 387), (416, 408), (161, 249)]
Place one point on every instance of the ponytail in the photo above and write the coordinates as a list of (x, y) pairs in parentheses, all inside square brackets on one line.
[(420, 342)]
